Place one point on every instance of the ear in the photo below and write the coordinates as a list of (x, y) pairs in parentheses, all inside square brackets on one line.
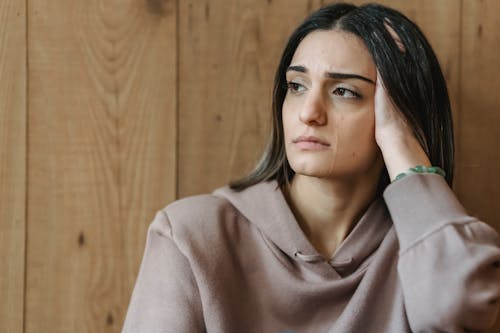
[(394, 35)]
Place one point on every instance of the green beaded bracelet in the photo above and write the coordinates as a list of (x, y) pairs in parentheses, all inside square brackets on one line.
[(421, 169)]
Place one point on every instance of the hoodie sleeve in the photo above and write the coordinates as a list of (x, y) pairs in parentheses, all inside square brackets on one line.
[(449, 262), (165, 297)]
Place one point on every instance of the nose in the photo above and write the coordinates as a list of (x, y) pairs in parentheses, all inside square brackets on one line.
[(313, 111)]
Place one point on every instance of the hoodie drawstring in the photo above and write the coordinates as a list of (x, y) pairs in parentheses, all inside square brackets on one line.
[(318, 257), (308, 257)]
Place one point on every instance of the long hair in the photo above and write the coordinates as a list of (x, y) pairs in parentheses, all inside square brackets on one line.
[(411, 75)]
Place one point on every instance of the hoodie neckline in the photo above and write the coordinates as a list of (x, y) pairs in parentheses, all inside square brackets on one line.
[(265, 206)]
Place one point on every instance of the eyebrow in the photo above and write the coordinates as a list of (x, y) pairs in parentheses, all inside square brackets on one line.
[(332, 75)]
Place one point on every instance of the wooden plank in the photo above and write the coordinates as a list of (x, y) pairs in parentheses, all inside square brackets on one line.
[(102, 148), (478, 177), (228, 54), (12, 163)]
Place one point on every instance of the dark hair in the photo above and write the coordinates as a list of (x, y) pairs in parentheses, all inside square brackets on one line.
[(412, 77)]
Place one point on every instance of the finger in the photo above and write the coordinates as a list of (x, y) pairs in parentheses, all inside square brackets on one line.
[(394, 35), (380, 91), (386, 112), (381, 94)]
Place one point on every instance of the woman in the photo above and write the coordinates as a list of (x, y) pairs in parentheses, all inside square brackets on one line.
[(343, 226)]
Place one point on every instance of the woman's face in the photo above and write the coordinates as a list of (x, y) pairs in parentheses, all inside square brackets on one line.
[(328, 116)]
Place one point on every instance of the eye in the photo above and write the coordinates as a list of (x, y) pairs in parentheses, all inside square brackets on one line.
[(347, 93), (295, 87)]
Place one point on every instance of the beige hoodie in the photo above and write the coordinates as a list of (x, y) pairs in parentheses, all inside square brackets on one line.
[(239, 262)]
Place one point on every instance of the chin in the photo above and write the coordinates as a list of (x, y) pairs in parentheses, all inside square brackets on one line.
[(335, 171), (311, 170), (323, 174)]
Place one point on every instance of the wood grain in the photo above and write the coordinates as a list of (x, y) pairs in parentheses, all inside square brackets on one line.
[(478, 174), (478, 177), (12, 163), (228, 53), (102, 142)]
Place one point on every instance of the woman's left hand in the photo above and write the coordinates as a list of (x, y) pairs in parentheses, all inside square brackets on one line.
[(400, 148)]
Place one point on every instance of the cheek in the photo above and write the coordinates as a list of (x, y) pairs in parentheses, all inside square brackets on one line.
[(287, 119), (357, 135), (286, 126)]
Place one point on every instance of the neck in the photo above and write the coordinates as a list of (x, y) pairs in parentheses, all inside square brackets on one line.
[(327, 210)]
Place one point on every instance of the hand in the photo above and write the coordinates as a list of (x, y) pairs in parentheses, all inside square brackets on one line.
[(400, 148), (390, 123)]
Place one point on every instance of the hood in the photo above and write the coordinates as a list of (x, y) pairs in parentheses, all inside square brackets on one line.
[(265, 206)]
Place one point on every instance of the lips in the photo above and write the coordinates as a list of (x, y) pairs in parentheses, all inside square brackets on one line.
[(310, 142)]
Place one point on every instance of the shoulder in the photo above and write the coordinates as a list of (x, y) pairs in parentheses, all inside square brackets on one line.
[(209, 221), (200, 216), (195, 208)]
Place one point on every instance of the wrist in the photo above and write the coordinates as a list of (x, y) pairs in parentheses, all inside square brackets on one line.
[(421, 169), (403, 153)]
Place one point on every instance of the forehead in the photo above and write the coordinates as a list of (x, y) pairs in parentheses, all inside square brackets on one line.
[(334, 51)]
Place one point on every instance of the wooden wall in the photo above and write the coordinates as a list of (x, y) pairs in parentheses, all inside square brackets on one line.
[(111, 109), (13, 153)]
